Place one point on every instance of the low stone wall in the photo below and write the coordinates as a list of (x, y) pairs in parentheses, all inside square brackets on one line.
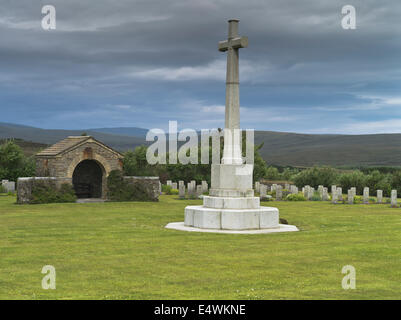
[(151, 185), (25, 186)]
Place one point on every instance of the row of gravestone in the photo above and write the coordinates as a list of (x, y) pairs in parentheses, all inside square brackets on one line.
[(192, 190), (336, 193), (277, 188), (337, 196), (9, 186)]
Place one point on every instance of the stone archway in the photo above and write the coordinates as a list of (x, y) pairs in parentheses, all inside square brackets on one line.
[(102, 162), (88, 179)]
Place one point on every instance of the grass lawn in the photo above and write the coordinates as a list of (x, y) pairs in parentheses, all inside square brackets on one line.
[(122, 251)]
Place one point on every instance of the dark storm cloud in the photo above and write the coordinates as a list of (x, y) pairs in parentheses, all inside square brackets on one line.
[(159, 59)]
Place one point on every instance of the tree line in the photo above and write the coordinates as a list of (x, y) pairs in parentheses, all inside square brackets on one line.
[(14, 164)]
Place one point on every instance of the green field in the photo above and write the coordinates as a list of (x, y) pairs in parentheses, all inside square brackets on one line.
[(122, 251)]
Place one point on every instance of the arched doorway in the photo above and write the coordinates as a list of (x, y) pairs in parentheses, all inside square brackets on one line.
[(88, 179)]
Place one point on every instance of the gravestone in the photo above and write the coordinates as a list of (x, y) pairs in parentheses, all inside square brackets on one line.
[(311, 191), (325, 194), (9, 186), (339, 191), (320, 190), (334, 195), (169, 183), (199, 190), (191, 190), (287, 186), (181, 190), (350, 196), (393, 198), (353, 189), (366, 195), (379, 196), (174, 185), (205, 187), (263, 191), (306, 191), (279, 193), (257, 186), (333, 190)]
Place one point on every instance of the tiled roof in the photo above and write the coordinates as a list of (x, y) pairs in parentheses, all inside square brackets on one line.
[(63, 145)]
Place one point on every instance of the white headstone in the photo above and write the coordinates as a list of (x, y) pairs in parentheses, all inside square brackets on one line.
[(279, 193), (199, 190), (181, 190), (350, 196), (325, 194), (394, 198), (339, 191), (366, 195), (205, 186), (263, 191), (334, 195), (379, 196)]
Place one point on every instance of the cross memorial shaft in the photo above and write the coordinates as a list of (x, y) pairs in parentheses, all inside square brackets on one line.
[(232, 140)]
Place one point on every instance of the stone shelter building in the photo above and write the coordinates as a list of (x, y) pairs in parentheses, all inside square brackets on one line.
[(84, 160)]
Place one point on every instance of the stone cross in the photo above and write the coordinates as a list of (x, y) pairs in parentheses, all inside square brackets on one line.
[(232, 139)]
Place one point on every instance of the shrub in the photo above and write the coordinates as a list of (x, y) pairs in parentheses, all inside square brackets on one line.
[(13, 163), (358, 199), (295, 197), (315, 176), (353, 179), (272, 173), (316, 196), (166, 189), (174, 191), (48, 193), (121, 190)]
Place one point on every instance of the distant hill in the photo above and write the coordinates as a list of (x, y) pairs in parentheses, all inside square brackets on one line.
[(123, 131), (280, 148), (29, 148), (47, 136), (294, 149)]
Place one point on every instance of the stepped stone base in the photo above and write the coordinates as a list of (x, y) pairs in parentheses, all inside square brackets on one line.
[(231, 202), (231, 219), (281, 228)]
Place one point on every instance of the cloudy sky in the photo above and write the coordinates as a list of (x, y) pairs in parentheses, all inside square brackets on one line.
[(142, 63)]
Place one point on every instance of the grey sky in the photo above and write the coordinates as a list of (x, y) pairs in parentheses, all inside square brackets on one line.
[(142, 63)]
